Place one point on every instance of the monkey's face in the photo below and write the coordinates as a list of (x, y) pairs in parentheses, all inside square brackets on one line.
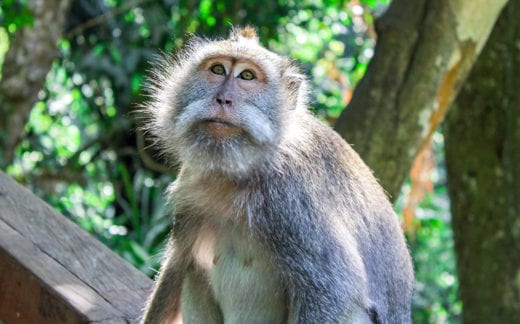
[(234, 105), (222, 111)]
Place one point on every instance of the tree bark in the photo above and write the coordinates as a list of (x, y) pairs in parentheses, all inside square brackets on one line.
[(27, 62), (482, 137), (424, 51)]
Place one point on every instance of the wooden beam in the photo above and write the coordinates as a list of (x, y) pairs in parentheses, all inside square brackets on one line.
[(51, 271)]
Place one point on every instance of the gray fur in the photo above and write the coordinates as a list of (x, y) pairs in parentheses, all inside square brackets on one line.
[(282, 224)]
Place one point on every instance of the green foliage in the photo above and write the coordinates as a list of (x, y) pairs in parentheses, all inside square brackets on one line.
[(435, 299), (15, 14), (4, 45), (80, 151), (334, 46)]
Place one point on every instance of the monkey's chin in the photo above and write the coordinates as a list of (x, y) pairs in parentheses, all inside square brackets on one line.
[(219, 129)]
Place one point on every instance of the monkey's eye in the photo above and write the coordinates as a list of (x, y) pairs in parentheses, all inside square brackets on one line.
[(247, 75), (218, 69)]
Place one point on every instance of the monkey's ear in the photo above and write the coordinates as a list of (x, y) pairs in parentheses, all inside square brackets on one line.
[(294, 85), (245, 32)]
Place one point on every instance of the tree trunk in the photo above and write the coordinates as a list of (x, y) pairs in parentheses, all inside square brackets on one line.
[(482, 136), (424, 51), (27, 62)]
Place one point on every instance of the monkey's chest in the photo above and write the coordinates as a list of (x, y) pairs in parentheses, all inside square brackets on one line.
[(240, 275)]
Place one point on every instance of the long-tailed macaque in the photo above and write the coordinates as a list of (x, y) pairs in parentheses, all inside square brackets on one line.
[(276, 218)]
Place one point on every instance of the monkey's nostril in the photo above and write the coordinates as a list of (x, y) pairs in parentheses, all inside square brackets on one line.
[(223, 102)]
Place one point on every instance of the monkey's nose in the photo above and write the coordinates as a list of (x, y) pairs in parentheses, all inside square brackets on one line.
[(224, 101)]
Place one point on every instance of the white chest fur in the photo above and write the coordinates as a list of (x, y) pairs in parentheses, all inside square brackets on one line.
[(240, 275)]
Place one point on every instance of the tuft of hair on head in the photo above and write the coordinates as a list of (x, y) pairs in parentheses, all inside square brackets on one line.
[(243, 32)]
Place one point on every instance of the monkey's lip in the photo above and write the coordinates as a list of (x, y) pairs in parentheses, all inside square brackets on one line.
[(221, 121), (219, 128)]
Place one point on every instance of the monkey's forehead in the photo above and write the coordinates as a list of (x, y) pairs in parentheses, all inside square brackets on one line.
[(245, 49)]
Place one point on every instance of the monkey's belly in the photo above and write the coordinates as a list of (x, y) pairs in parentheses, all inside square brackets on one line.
[(243, 283)]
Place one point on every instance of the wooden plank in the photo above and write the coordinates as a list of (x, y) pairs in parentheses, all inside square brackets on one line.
[(65, 262), (34, 288)]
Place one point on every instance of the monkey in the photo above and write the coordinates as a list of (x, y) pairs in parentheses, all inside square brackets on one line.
[(276, 218)]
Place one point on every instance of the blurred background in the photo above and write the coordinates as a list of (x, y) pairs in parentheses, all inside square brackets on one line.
[(77, 143)]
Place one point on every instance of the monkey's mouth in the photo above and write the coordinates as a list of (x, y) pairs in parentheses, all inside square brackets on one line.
[(217, 121), (219, 128)]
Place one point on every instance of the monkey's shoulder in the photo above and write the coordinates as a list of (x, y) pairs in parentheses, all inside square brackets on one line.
[(320, 168), (321, 150)]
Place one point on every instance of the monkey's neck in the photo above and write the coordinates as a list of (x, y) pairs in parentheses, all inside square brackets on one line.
[(223, 178)]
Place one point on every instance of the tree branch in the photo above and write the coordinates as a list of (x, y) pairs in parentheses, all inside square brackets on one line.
[(102, 18), (26, 65), (418, 68)]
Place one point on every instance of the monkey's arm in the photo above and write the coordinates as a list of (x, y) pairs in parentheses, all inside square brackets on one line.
[(316, 254), (326, 285), (164, 303)]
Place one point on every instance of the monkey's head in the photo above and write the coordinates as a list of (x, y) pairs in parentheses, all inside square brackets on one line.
[(224, 105)]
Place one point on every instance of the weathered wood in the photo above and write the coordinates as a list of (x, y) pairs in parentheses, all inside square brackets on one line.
[(51, 271)]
